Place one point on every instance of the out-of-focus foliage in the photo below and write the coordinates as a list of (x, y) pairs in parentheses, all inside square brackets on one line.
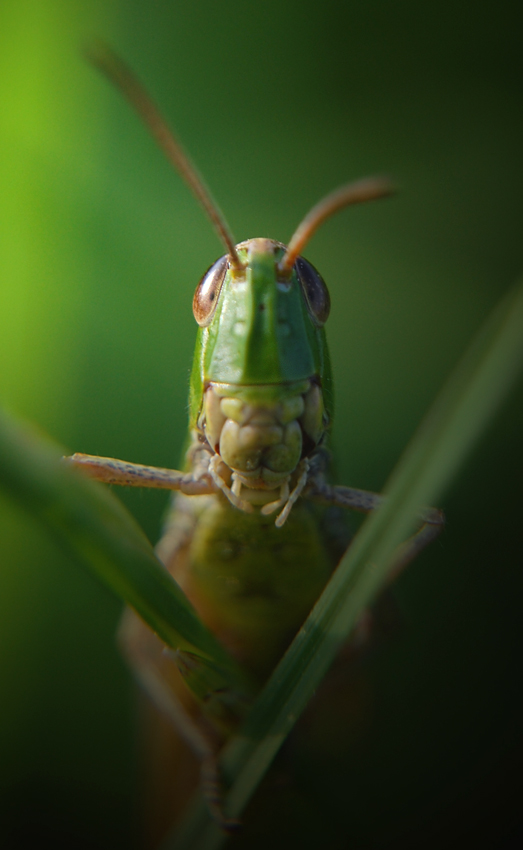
[(100, 250)]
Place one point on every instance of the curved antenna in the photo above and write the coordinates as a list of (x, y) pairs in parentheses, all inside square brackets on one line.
[(110, 64), (352, 193)]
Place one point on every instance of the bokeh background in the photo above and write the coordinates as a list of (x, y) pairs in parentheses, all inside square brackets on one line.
[(101, 246)]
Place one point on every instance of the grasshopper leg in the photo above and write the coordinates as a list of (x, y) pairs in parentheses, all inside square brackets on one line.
[(156, 671), (432, 520), (113, 471), (157, 675)]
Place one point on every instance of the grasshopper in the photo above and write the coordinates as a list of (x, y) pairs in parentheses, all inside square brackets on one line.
[(257, 526)]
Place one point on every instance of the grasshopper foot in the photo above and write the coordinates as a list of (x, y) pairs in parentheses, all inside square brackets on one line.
[(212, 789)]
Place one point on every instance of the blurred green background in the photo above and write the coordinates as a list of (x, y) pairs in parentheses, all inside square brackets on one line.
[(101, 246)]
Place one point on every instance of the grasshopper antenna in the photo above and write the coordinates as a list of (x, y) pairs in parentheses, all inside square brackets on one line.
[(352, 193), (109, 63)]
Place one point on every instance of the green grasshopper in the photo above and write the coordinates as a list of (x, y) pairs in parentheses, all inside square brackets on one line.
[(257, 526)]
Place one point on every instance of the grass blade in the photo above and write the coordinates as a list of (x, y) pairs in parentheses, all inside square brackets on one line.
[(98, 530)]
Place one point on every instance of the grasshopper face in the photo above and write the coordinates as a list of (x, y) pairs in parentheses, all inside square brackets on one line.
[(261, 388)]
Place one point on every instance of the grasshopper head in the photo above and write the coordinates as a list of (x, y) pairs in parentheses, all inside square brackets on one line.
[(261, 381), (259, 326)]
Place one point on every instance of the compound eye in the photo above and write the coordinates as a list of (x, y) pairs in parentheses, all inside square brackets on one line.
[(208, 290), (315, 291)]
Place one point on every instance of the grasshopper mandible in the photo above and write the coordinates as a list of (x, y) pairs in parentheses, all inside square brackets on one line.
[(256, 527)]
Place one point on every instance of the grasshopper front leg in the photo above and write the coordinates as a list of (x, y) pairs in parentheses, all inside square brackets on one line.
[(364, 501), (109, 470)]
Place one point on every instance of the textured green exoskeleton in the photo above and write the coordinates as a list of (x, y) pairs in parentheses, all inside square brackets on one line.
[(257, 527)]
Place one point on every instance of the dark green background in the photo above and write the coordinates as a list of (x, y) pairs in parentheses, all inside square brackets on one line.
[(101, 247)]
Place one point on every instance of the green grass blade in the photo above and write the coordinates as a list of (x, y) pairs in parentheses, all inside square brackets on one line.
[(98, 530), (458, 417)]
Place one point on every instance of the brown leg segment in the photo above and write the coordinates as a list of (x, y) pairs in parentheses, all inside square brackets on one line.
[(109, 470), (160, 679), (432, 519)]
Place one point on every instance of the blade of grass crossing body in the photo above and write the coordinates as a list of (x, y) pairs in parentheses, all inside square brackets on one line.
[(460, 413), (97, 529)]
